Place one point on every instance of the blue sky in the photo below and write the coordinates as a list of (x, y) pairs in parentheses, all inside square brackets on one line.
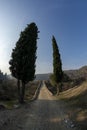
[(65, 19)]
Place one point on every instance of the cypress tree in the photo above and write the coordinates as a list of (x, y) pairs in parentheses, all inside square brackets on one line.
[(57, 64), (22, 63)]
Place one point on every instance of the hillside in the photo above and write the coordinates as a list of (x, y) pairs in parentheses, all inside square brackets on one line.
[(78, 73), (76, 103), (73, 74)]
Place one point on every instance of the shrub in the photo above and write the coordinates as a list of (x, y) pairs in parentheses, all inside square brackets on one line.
[(8, 90)]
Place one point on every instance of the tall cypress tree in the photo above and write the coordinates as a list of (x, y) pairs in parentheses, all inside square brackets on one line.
[(22, 63), (57, 64)]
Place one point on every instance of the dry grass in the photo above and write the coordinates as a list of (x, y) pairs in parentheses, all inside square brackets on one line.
[(31, 89), (8, 90), (75, 91), (75, 100), (9, 94)]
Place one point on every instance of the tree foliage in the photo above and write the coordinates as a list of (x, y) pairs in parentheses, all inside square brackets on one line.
[(57, 64), (22, 63)]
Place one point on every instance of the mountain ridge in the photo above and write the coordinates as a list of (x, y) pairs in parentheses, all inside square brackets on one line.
[(73, 74)]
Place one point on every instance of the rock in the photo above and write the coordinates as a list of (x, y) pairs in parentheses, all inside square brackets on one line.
[(72, 125), (66, 120), (16, 106), (69, 123)]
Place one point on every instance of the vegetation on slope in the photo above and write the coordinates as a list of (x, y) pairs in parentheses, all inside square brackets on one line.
[(78, 73), (9, 93), (75, 100)]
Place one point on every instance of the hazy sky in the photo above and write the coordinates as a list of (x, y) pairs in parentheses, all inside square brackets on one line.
[(65, 19)]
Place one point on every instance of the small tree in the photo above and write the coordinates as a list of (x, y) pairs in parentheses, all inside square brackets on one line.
[(22, 63), (57, 65)]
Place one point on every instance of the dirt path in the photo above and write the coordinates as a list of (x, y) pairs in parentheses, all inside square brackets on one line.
[(45, 113)]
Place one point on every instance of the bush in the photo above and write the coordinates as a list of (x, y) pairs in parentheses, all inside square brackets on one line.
[(51, 88), (52, 80), (8, 90), (65, 78)]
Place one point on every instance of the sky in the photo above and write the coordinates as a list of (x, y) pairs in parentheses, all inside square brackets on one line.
[(65, 19)]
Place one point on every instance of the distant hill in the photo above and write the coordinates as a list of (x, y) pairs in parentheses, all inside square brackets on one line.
[(42, 76), (38, 76), (73, 74), (78, 73)]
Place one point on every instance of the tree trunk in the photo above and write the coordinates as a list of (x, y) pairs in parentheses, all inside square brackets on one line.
[(57, 89), (19, 92), (60, 87), (22, 92)]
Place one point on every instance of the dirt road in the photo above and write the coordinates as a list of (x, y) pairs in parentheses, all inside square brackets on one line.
[(45, 113)]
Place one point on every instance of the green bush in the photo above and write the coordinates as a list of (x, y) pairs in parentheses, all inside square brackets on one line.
[(51, 88), (52, 80)]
